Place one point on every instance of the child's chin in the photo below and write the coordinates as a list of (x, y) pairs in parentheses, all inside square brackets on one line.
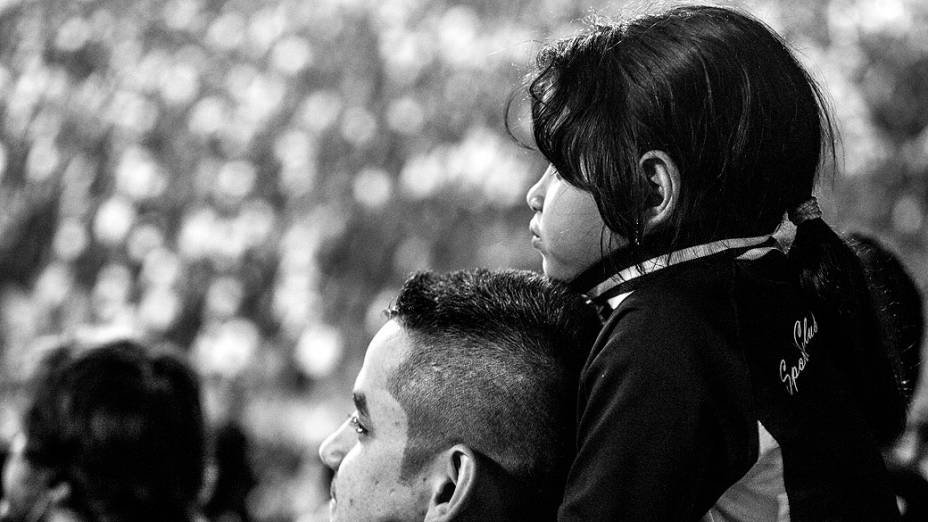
[(555, 271)]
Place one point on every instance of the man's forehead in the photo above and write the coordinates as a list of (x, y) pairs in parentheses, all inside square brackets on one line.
[(386, 351)]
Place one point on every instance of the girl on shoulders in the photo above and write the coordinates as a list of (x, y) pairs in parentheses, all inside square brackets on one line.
[(730, 381)]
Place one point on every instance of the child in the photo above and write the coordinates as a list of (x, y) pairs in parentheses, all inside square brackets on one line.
[(729, 382)]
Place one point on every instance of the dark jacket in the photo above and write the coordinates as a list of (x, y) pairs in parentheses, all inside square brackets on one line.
[(685, 368)]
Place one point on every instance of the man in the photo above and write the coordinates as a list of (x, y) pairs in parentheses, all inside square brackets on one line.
[(113, 432), (465, 403)]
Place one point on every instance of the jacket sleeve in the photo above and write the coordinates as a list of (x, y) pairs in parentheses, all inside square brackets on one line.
[(659, 436)]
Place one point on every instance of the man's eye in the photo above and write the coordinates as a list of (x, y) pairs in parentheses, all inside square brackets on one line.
[(356, 425)]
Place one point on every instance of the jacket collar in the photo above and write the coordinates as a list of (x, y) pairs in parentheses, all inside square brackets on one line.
[(603, 281)]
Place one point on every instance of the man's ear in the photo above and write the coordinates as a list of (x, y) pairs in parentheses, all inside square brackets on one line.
[(664, 178), (454, 484)]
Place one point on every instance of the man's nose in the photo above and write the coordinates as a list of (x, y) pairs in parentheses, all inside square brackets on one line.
[(334, 448)]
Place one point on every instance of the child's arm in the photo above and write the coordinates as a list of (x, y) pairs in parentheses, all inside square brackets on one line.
[(664, 424)]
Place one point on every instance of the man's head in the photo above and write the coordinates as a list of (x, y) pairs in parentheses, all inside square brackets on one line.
[(465, 401), (113, 432)]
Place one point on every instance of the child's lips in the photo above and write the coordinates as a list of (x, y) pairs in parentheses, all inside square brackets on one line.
[(534, 228), (536, 234), (536, 239)]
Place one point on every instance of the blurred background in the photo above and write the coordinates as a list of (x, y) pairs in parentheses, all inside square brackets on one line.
[(251, 180)]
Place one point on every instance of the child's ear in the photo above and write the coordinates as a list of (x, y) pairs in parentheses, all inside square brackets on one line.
[(454, 484), (664, 177)]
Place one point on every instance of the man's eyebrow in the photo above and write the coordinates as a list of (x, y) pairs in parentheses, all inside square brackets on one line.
[(360, 403)]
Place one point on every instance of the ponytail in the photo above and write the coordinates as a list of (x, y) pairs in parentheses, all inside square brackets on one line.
[(832, 279), (897, 304)]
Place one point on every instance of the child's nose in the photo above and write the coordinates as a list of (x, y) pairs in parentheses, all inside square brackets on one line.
[(535, 195), (334, 448)]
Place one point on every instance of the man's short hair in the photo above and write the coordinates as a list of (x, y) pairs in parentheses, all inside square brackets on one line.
[(494, 365), (123, 427)]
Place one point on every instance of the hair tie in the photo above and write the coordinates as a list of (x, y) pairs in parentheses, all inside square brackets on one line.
[(805, 211)]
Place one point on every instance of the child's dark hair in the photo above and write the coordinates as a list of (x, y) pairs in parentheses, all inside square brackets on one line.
[(897, 303), (716, 90), (722, 95)]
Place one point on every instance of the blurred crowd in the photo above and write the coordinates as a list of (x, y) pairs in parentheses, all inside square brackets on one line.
[(249, 182)]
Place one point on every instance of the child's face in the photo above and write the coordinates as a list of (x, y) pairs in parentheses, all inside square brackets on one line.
[(567, 228)]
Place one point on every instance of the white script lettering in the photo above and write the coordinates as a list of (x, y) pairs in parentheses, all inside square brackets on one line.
[(803, 332)]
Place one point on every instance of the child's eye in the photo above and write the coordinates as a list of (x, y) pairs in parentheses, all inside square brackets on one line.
[(356, 425), (553, 172)]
